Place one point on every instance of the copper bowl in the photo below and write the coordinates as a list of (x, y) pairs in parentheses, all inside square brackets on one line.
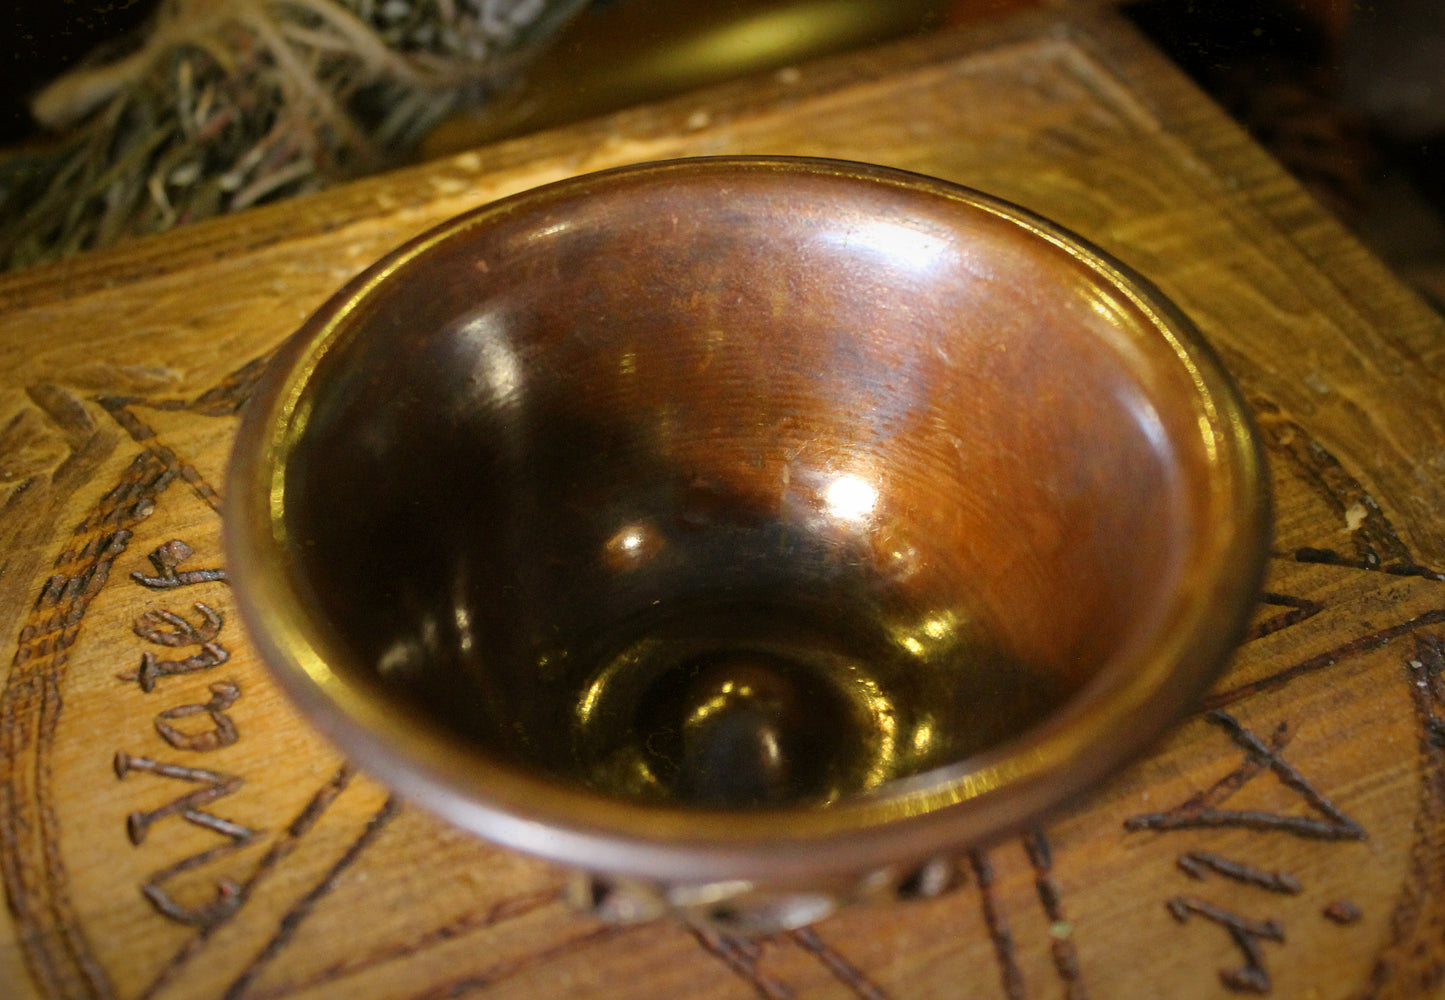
[(748, 532)]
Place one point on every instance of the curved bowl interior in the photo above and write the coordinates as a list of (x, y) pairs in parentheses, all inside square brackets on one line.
[(748, 486)]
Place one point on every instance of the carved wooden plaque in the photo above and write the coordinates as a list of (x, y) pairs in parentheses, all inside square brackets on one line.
[(170, 829)]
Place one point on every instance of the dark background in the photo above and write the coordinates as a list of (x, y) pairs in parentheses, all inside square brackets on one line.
[(1349, 96)]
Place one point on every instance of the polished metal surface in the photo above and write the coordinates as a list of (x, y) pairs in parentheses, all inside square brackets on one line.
[(769, 524)]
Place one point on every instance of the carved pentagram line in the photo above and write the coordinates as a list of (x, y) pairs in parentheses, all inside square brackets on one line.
[(1354, 647), (1370, 562), (508, 909), (224, 399), (741, 956), (454, 989), (282, 847), (294, 917), (1010, 975), (1065, 954), (843, 970), (1298, 609), (1409, 965), (143, 434), (1374, 537)]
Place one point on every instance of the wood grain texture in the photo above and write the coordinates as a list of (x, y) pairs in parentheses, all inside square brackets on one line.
[(170, 829)]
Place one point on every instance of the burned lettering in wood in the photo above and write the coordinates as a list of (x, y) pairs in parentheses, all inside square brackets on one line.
[(223, 730), (183, 891), (215, 785), (1247, 934), (279, 849), (1203, 811), (1198, 864), (1298, 609), (167, 560), (152, 668), (166, 628), (227, 894)]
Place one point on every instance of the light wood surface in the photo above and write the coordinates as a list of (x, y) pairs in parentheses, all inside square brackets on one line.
[(170, 829)]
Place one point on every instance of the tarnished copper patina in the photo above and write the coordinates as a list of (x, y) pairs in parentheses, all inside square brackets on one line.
[(750, 533)]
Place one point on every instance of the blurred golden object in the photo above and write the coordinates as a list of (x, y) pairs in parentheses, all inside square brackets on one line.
[(632, 51)]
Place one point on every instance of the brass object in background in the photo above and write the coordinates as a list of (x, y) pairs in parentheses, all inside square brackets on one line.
[(749, 532), (619, 54)]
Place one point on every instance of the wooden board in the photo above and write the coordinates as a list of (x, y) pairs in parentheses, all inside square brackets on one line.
[(170, 829)]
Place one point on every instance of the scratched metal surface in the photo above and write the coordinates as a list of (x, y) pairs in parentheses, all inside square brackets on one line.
[(170, 829)]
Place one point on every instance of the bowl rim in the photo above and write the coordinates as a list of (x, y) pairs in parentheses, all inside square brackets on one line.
[(959, 805)]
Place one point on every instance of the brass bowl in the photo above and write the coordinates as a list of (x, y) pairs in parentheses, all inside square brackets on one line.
[(749, 532)]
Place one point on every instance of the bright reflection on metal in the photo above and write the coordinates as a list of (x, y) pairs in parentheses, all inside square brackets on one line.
[(632, 545), (408, 656), (600, 686), (927, 636), (849, 498), (396, 660), (1147, 417), (902, 563), (865, 693), (772, 753), (463, 619), (940, 626), (1107, 308), (1113, 311), (726, 693), (867, 730), (906, 247), (497, 363), (552, 230), (1206, 433), (588, 705), (922, 736), (293, 428)]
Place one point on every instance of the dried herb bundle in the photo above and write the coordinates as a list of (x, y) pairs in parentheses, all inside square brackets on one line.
[(228, 103)]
